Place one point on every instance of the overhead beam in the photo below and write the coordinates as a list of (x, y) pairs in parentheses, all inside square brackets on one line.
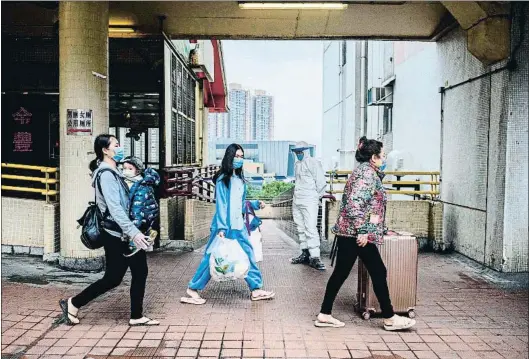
[(488, 28)]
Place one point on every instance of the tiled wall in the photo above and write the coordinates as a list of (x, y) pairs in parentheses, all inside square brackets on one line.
[(422, 218), (198, 215), (486, 189), (185, 219), (171, 218), (30, 223)]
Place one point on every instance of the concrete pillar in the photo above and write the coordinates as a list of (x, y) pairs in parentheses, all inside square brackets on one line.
[(488, 28), (83, 73)]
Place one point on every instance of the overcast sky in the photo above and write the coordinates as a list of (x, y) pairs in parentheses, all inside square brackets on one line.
[(291, 71)]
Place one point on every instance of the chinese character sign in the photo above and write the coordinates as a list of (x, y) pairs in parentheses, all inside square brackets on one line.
[(22, 116), (79, 122), (22, 142)]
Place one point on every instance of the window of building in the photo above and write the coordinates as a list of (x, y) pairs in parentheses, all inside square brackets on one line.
[(387, 119), (344, 53)]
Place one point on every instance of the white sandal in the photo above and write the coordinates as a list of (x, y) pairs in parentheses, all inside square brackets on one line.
[(195, 301), (399, 323), (329, 322), (194, 298), (143, 321), (264, 295)]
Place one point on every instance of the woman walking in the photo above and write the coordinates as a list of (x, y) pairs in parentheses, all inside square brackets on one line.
[(228, 221), (359, 228), (112, 198)]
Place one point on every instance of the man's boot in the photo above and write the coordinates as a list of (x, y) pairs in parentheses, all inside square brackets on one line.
[(303, 258), (316, 263)]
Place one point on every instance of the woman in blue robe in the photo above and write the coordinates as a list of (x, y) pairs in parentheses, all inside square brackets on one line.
[(228, 221)]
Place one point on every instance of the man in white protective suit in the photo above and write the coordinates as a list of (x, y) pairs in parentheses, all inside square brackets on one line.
[(309, 189)]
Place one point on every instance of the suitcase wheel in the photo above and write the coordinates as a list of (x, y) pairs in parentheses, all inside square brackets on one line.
[(366, 315), (411, 313)]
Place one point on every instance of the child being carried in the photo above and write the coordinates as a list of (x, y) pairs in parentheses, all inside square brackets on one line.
[(144, 209)]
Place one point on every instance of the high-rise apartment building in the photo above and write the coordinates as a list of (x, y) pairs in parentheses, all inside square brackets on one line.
[(239, 115), (250, 118), (262, 116), (218, 126)]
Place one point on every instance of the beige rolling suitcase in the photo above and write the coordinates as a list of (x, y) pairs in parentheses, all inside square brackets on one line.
[(400, 255)]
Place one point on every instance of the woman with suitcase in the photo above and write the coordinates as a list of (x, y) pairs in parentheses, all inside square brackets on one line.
[(358, 229)]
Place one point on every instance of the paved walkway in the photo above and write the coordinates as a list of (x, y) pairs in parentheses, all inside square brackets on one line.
[(463, 312)]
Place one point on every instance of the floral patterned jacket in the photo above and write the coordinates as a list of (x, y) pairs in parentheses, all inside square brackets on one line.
[(363, 207)]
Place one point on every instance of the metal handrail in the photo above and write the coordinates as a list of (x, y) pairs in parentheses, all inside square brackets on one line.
[(191, 182), (392, 173), (47, 180), (434, 182)]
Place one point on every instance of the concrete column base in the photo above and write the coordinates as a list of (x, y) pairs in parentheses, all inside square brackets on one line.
[(95, 264)]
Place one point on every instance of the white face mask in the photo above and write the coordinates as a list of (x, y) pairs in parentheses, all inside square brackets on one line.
[(129, 173)]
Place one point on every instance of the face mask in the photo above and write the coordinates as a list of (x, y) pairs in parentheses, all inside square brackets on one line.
[(383, 166), (300, 155), (118, 154), (129, 173), (237, 163)]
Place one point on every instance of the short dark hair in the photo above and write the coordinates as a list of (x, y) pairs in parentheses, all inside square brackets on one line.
[(367, 148)]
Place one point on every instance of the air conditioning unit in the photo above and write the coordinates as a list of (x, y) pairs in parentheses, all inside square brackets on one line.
[(379, 96)]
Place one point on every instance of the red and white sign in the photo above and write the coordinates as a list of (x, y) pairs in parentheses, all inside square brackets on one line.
[(79, 122)]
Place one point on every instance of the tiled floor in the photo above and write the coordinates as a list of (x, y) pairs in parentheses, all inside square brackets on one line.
[(460, 315)]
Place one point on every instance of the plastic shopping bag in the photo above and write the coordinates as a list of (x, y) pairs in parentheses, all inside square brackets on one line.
[(227, 261), (256, 240)]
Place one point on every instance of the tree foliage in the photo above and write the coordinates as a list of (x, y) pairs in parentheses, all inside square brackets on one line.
[(269, 190)]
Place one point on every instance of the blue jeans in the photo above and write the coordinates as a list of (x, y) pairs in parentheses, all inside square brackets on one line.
[(254, 278)]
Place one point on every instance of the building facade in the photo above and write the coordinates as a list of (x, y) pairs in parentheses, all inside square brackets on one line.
[(262, 116), (276, 156), (218, 126), (438, 108), (63, 87), (239, 126), (251, 117)]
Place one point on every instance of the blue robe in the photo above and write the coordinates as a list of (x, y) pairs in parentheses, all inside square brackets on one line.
[(222, 222)]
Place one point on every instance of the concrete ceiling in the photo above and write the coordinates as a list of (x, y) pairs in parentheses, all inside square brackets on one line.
[(225, 20)]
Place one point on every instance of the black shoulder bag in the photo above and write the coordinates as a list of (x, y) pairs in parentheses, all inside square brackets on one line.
[(93, 222)]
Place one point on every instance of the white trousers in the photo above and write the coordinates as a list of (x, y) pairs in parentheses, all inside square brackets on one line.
[(305, 213)]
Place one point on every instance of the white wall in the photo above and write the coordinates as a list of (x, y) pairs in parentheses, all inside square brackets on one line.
[(341, 106), (331, 104), (417, 108)]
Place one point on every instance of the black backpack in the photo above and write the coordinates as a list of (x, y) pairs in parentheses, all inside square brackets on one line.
[(93, 221)]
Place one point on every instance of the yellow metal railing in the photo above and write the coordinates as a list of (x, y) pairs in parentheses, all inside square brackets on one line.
[(434, 182), (50, 180)]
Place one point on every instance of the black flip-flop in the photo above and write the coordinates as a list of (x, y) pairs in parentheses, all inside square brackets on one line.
[(64, 306)]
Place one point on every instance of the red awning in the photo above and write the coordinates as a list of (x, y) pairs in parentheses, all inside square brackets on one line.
[(215, 93)]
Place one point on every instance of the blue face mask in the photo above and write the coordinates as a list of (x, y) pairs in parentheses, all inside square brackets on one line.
[(119, 154), (383, 166), (237, 162), (300, 155)]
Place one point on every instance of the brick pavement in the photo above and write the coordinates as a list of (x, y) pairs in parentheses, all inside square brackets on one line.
[(460, 315)]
